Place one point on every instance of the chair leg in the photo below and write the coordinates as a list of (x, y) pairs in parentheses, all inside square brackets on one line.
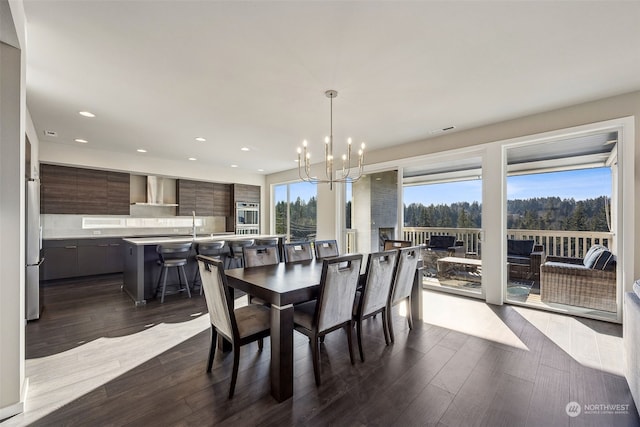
[(212, 348), (315, 350), (349, 328), (385, 327), (164, 283), (390, 323), (261, 344), (234, 373), (409, 316), (158, 285), (186, 282), (359, 336)]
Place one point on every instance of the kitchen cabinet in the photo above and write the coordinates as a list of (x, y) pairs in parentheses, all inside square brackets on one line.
[(69, 258), (60, 259), (205, 198), (69, 190), (246, 193)]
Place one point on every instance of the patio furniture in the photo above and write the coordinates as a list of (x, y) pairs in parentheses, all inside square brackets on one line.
[(396, 244), (588, 282), (524, 258), (439, 247), (456, 268)]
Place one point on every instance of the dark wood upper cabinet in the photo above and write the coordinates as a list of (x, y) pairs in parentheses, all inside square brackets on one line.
[(69, 190), (118, 193), (221, 199), (246, 193), (57, 189), (205, 198), (186, 196)]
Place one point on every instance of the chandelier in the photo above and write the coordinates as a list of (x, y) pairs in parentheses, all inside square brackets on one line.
[(304, 158)]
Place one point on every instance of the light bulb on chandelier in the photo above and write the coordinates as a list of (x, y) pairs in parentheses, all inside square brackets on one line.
[(304, 158)]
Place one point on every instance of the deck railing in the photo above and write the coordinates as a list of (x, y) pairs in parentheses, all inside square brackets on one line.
[(557, 243)]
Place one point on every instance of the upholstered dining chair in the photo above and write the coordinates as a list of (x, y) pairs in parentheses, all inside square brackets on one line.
[(296, 252), (173, 255), (325, 248), (241, 326), (333, 309), (402, 284), (236, 260), (255, 256), (373, 297)]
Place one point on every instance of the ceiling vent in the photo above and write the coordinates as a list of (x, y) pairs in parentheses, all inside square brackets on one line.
[(51, 133), (436, 131)]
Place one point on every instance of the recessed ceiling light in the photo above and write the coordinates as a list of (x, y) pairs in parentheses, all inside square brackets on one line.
[(234, 166), (200, 139), (244, 149), (80, 140), (192, 159), (141, 150), (260, 170), (87, 114)]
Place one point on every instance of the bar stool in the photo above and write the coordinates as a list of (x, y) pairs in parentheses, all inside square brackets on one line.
[(236, 260), (173, 255), (213, 250)]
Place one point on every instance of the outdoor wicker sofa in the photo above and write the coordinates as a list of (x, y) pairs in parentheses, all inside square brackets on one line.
[(588, 282)]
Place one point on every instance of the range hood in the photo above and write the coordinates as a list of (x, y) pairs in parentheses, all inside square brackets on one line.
[(155, 192)]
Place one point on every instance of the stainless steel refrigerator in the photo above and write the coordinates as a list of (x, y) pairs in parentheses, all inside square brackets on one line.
[(33, 246)]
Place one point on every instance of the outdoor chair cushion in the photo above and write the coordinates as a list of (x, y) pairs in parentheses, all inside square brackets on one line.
[(441, 242), (598, 257), (520, 248)]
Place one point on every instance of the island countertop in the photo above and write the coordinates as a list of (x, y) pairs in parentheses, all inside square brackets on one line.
[(143, 241)]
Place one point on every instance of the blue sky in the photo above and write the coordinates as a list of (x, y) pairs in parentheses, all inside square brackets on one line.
[(578, 184)]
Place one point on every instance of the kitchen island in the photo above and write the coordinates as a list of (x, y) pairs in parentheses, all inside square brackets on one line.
[(141, 269)]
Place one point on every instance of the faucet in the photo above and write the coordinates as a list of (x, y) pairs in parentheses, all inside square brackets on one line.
[(193, 231)]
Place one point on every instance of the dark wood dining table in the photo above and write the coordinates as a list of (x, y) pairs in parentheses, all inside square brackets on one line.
[(283, 285)]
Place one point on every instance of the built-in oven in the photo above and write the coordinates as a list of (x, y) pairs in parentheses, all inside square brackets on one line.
[(247, 218)]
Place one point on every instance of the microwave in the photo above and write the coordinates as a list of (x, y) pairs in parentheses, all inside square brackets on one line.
[(247, 215)]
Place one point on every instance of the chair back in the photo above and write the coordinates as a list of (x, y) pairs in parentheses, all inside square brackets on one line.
[(267, 241), (338, 284), (396, 244), (405, 273), (295, 252), (211, 248), (217, 295), (325, 248), (441, 242), (170, 251), (238, 245), (377, 288), (255, 256)]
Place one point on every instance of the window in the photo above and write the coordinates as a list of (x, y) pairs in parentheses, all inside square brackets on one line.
[(295, 211)]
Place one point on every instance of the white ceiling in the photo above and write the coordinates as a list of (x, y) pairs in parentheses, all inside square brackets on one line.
[(253, 74)]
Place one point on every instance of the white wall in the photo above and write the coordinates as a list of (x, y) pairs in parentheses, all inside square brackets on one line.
[(12, 185)]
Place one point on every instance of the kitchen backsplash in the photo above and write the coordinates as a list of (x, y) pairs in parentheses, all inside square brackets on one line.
[(55, 226)]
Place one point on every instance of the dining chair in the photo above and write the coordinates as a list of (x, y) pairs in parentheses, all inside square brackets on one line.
[(402, 284), (266, 241), (173, 255), (255, 256), (236, 259), (215, 250), (296, 252), (374, 295), (333, 308), (325, 248), (397, 244), (241, 326)]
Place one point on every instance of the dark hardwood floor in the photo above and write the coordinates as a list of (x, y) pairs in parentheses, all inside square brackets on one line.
[(432, 375)]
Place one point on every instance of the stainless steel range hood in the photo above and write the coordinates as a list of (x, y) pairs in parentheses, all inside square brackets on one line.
[(155, 192)]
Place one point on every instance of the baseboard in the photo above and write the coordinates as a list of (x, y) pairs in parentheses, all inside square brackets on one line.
[(16, 408)]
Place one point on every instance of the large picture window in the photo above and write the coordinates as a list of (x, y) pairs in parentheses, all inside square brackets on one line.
[(295, 211)]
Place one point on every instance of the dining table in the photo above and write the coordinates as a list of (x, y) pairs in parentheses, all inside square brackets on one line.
[(283, 285)]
